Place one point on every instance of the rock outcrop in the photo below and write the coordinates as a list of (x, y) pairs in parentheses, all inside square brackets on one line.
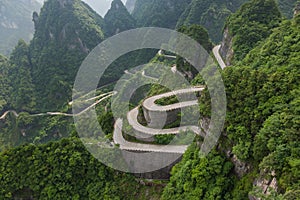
[(226, 49), (240, 168), (118, 19), (297, 9), (266, 184)]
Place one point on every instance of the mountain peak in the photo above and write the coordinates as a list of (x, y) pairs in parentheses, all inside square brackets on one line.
[(116, 4), (297, 8), (118, 19), (66, 31), (130, 4)]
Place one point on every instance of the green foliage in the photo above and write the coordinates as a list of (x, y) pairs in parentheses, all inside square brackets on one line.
[(64, 36), (106, 121), (118, 19), (167, 100), (200, 35), (277, 143), (262, 122), (163, 139), (286, 7), (243, 186), (198, 177), (210, 14), (252, 23), (263, 106), (4, 83), (62, 170), (159, 13), (23, 90)]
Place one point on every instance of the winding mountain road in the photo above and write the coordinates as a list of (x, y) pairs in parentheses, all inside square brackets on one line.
[(160, 53), (132, 120), (131, 146), (216, 52), (104, 96), (7, 112), (150, 105), (133, 114)]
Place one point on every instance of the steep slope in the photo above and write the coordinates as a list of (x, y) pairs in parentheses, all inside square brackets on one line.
[(159, 13), (118, 19), (199, 34), (22, 91), (252, 23), (100, 6), (261, 134), (64, 170), (4, 84), (66, 31), (286, 7), (211, 14), (15, 22)]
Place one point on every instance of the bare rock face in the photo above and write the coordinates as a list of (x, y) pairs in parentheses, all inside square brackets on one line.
[(204, 125), (35, 18), (297, 9), (266, 184), (240, 168), (226, 50)]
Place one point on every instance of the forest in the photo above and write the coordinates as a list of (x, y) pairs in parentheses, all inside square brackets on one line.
[(257, 155)]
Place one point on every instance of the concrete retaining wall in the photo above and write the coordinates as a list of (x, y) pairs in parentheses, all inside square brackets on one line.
[(158, 119)]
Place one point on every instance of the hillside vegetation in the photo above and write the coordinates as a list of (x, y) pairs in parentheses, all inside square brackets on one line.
[(210, 14), (257, 155), (252, 23), (64, 170), (261, 133), (159, 13), (118, 19)]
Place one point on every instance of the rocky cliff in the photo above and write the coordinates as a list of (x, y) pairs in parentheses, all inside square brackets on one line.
[(118, 19), (226, 49)]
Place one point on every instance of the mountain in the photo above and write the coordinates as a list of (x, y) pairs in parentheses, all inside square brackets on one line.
[(76, 174), (65, 32), (16, 22), (257, 155), (118, 19), (286, 7), (4, 84), (23, 90), (159, 13), (100, 6), (130, 4), (211, 14), (252, 23)]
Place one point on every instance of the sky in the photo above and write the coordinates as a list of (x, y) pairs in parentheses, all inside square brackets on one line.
[(101, 6)]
